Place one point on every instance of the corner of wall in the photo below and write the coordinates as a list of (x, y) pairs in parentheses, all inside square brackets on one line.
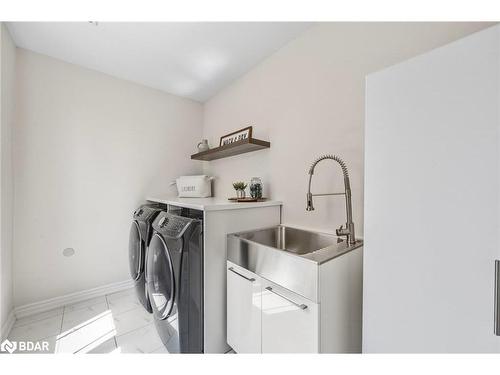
[(7, 87)]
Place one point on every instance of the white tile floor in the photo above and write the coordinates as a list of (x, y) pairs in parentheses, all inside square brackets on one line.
[(115, 323)]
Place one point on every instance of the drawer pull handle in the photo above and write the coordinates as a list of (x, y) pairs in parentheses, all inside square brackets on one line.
[(300, 306), (497, 297), (239, 274)]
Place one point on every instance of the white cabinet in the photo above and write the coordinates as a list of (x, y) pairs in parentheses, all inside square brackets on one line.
[(263, 317), (289, 321), (244, 308), (216, 226)]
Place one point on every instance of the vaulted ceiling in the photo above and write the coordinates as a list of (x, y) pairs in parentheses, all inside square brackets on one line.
[(193, 60)]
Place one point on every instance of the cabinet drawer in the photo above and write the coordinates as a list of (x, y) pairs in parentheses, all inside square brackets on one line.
[(243, 310), (290, 323)]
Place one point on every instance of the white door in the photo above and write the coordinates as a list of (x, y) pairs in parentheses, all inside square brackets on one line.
[(290, 323), (431, 200), (243, 310)]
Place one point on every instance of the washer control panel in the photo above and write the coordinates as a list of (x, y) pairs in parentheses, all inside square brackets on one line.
[(145, 213)]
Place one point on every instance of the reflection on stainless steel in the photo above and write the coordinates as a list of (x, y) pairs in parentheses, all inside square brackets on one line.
[(287, 256), (348, 231)]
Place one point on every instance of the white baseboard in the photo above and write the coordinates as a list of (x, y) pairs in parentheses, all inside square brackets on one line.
[(54, 303), (7, 326)]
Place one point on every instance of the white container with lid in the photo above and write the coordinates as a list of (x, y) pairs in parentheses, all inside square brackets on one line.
[(194, 186)]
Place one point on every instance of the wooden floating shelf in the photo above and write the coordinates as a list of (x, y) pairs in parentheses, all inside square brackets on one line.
[(236, 148)]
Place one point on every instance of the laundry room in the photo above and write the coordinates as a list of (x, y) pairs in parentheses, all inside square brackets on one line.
[(248, 187)]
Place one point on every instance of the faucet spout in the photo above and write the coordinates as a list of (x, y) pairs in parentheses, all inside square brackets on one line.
[(310, 206), (348, 231)]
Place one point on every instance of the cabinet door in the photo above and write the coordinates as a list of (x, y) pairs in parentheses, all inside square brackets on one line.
[(243, 310), (290, 322), (433, 225)]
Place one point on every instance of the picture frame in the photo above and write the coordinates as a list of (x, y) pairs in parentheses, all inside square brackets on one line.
[(236, 136)]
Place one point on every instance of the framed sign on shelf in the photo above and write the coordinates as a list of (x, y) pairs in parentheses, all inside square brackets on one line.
[(236, 136)]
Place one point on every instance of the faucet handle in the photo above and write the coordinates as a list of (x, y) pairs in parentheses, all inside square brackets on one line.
[(342, 231)]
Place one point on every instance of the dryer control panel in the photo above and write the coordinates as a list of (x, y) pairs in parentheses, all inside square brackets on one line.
[(171, 225)]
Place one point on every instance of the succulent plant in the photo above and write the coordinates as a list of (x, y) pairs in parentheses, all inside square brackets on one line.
[(239, 185)]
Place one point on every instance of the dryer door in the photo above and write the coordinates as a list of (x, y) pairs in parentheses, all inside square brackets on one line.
[(160, 278), (135, 251)]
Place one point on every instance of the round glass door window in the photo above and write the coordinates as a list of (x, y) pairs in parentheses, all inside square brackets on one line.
[(160, 278), (135, 251)]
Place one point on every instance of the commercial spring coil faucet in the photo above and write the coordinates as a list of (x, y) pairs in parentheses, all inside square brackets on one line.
[(348, 231)]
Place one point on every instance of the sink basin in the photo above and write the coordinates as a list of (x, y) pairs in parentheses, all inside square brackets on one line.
[(288, 256), (290, 239)]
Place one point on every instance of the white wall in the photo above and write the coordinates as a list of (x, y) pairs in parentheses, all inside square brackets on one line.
[(88, 149), (7, 76), (308, 99)]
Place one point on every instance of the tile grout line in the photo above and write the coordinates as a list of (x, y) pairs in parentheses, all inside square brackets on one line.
[(154, 350), (107, 304), (76, 310), (44, 338), (135, 329), (62, 320), (16, 325), (65, 310), (85, 306), (60, 329), (128, 310), (88, 344), (35, 321)]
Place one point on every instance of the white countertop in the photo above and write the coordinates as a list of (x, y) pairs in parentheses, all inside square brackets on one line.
[(211, 204)]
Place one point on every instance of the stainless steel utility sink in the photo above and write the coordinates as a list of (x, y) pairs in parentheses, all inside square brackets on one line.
[(287, 256), (290, 239)]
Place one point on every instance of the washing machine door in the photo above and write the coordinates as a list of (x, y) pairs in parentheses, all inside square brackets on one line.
[(136, 251), (160, 277)]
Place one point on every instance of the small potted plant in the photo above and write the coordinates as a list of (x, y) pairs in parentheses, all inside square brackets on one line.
[(240, 187)]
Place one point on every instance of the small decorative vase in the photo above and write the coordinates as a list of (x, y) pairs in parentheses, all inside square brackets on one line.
[(256, 187), (240, 194), (203, 145)]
